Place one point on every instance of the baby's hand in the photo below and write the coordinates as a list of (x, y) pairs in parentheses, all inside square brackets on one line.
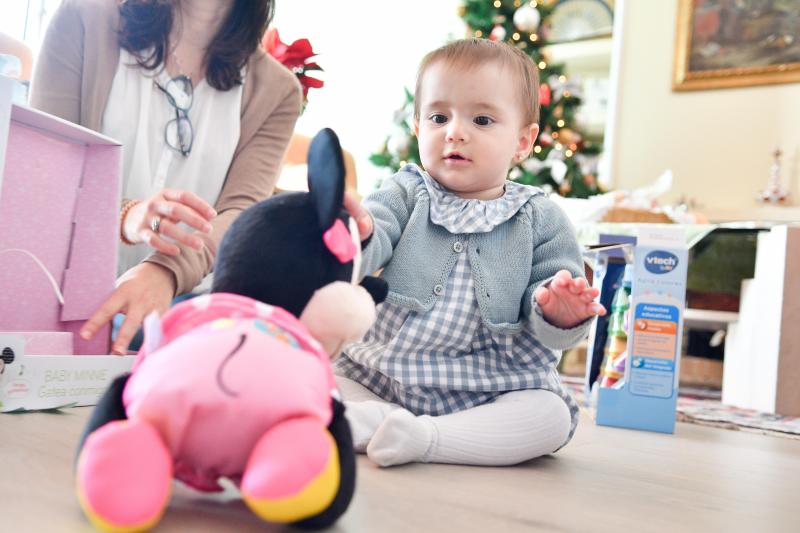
[(567, 302), (361, 215)]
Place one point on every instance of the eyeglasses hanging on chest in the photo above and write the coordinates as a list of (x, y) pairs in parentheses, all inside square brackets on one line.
[(178, 133)]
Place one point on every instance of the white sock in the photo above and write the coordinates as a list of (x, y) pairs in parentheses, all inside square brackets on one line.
[(402, 438), (365, 418), (516, 427), (364, 410)]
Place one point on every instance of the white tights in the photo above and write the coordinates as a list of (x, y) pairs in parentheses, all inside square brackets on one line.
[(516, 427)]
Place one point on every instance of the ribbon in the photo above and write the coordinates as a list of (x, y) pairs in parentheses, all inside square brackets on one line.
[(340, 242), (47, 273)]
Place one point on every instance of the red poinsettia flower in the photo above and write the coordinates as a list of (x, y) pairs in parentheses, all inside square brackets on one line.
[(295, 57), (309, 83)]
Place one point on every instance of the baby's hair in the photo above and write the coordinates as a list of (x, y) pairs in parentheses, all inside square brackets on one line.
[(469, 53)]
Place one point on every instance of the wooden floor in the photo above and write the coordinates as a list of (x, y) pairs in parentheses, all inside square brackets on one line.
[(700, 479)]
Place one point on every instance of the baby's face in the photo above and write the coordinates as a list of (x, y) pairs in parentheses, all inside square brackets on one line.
[(470, 127)]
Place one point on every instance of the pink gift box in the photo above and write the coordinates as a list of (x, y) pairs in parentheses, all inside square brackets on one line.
[(47, 342), (59, 209)]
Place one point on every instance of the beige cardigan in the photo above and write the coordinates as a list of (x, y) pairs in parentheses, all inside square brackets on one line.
[(73, 78)]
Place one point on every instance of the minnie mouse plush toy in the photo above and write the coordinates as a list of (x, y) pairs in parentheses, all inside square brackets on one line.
[(238, 383)]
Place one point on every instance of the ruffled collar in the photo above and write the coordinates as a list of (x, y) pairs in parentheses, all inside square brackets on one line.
[(469, 215)]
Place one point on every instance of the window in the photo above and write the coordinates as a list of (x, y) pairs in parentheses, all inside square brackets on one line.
[(366, 64), (26, 20)]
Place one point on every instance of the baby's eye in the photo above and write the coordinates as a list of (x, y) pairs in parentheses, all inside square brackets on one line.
[(438, 118), (483, 120)]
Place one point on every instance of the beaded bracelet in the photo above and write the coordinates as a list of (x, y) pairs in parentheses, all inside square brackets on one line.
[(122, 214)]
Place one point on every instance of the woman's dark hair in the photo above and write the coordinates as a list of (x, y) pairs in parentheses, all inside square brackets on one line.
[(145, 27)]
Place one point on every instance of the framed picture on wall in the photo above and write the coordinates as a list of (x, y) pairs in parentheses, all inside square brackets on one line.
[(735, 43)]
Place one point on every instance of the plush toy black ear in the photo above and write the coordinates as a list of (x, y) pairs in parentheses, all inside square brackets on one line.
[(274, 251), (326, 177)]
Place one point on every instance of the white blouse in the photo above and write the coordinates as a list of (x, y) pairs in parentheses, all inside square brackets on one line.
[(137, 114)]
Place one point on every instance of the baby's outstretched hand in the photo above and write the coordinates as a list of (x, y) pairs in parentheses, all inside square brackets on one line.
[(566, 302), (359, 214)]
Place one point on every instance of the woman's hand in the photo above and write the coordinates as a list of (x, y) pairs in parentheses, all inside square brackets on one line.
[(361, 215), (567, 302), (169, 207), (145, 288)]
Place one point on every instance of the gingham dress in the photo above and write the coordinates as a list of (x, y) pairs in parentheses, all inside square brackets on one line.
[(446, 360)]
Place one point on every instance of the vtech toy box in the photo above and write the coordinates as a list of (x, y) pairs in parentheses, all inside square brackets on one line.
[(634, 351)]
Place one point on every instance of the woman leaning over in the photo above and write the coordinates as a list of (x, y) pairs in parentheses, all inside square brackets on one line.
[(204, 117)]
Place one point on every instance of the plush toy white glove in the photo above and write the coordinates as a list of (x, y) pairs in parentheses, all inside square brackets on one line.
[(337, 314)]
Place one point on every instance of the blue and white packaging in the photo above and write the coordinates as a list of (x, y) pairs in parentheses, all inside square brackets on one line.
[(646, 398)]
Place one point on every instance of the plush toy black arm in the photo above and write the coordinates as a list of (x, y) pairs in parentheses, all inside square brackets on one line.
[(340, 430), (108, 409), (376, 287)]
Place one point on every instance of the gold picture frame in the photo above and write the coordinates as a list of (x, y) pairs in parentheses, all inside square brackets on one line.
[(723, 44)]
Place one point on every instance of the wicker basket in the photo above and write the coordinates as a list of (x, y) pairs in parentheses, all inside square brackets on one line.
[(627, 214)]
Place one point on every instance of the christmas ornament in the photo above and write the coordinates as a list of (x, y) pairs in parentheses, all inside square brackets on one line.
[(558, 170), (556, 154), (527, 18), (561, 87), (568, 136), (557, 167), (544, 94), (498, 33)]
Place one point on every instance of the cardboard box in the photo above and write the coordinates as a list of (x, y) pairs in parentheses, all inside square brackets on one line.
[(762, 349), (646, 397), (59, 209), (35, 382)]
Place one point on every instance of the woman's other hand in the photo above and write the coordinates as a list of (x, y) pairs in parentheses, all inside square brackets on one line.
[(169, 207), (145, 288)]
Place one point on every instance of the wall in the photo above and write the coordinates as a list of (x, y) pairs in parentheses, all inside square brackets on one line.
[(718, 143)]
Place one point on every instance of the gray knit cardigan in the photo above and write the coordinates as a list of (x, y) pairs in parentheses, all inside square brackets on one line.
[(508, 263)]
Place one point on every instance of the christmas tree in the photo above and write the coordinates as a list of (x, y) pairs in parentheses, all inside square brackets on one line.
[(563, 160)]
